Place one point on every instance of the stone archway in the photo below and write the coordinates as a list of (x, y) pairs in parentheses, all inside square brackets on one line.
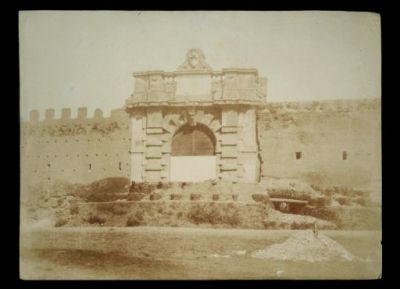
[(193, 156), (193, 140)]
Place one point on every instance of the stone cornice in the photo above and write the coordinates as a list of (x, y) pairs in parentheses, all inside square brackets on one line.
[(195, 72), (234, 102)]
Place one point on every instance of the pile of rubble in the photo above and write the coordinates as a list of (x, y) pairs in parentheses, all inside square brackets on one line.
[(306, 246)]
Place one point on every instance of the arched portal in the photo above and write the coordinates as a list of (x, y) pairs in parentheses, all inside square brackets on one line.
[(193, 140), (193, 154)]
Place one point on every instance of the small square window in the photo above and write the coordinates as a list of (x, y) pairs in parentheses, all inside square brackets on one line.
[(344, 155), (298, 155)]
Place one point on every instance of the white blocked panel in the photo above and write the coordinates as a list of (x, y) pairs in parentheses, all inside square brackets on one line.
[(193, 168)]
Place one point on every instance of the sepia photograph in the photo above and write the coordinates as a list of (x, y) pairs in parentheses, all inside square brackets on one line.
[(200, 145)]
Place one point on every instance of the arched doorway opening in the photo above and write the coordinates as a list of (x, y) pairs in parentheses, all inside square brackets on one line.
[(193, 140), (193, 154)]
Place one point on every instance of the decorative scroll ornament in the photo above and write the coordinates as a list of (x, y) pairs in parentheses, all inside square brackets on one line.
[(189, 117), (195, 60)]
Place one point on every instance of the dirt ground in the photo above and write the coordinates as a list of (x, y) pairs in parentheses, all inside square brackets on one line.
[(184, 253)]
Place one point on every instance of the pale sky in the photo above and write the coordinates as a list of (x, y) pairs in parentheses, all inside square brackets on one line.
[(74, 59)]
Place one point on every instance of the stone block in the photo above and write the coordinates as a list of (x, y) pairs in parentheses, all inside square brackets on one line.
[(153, 165), (153, 150), (158, 130), (153, 155), (34, 116), (152, 176), (215, 125), (228, 167), (229, 152), (82, 113), (153, 141), (229, 129), (154, 118), (228, 139), (230, 118), (98, 113)]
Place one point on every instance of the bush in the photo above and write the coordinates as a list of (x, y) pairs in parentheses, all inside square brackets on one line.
[(318, 202), (195, 197), (288, 194), (60, 222), (74, 208), (269, 224), (176, 196), (263, 198), (360, 201), (60, 202), (135, 220), (95, 219), (321, 213), (119, 209), (284, 226), (104, 190), (105, 207), (344, 200), (144, 188), (358, 193), (155, 196), (344, 191), (215, 197), (316, 187)]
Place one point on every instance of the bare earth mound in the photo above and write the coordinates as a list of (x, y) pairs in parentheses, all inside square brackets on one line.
[(304, 246)]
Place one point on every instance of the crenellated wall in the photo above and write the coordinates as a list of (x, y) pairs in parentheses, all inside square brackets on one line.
[(81, 149), (336, 142)]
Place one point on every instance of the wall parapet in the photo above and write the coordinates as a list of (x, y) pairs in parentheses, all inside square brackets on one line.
[(118, 121), (82, 115), (338, 105)]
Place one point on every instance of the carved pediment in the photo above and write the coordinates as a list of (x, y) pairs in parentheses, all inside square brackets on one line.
[(195, 60)]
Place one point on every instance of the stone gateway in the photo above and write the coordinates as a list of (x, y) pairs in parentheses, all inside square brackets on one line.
[(195, 123)]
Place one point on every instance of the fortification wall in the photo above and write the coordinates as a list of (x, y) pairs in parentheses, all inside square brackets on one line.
[(335, 142), (76, 150), (332, 142)]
